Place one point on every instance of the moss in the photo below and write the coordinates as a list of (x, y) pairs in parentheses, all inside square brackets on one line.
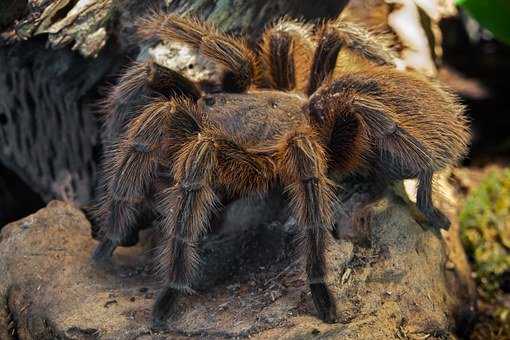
[(485, 232), (491, 329)]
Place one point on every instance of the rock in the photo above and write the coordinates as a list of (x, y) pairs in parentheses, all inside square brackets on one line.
[(398, 286)]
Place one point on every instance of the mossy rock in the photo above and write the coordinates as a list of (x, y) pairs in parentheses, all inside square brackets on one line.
[(485, 232)]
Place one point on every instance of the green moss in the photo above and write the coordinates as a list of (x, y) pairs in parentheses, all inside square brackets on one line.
[(485, 232)]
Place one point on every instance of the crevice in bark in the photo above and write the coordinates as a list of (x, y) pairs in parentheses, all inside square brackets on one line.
[(18, 199)]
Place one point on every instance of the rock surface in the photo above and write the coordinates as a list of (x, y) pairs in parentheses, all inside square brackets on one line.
[(403, 285)]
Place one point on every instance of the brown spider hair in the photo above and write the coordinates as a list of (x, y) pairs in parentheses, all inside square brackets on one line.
[(302, 108)]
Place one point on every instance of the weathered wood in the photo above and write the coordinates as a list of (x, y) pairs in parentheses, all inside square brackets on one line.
[(48, 131)]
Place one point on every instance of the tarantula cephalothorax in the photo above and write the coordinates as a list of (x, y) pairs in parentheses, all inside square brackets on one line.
[(291, 114)]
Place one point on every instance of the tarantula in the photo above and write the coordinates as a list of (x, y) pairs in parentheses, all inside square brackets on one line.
[(304, 106)]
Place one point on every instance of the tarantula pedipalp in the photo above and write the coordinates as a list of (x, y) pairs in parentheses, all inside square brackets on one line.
[(267, 126)]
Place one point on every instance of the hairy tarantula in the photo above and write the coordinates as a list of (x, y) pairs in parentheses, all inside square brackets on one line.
[(303, 107)]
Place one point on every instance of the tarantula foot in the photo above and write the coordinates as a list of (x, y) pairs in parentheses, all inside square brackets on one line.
[(324, 302), (335, 231), (437, 219), (104, 251), (362, 232), (164, 308), (130, 240)]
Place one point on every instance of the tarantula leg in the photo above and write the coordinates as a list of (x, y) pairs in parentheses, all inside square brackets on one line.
[(359, 40), (400, 155), (104, 251), (350, 98), (324, 59), (350, 90), (123, 102), (281, 60), (286, 50), (164, 307), (133, 167), (232, 53), (436, 218), (140, 84), (403, 156), (333, 37), (303, 168), (186, 208), (170, 83)]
